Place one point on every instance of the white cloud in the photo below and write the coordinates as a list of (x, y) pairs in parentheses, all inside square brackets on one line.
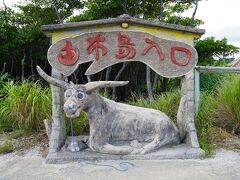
[(221, 19)]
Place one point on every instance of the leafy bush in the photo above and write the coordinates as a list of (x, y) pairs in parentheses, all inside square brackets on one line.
[(204, 121), (25, 106), (219, 109), (4, 78), (6, 146), (210, 81), (227, 110), (80, 125), (167, 103)]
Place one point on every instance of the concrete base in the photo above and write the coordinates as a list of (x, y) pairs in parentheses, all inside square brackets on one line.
[(181, 151)]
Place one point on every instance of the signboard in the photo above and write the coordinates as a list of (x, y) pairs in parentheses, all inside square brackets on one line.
[(166, 57)]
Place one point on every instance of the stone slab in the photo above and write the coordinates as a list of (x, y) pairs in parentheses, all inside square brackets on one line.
[(166, 57), (181, 151)]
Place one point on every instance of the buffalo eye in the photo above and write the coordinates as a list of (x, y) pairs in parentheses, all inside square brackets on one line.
[(80, 95), (68, 93)]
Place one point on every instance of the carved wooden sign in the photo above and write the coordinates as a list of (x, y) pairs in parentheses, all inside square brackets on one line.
[(167, 58)]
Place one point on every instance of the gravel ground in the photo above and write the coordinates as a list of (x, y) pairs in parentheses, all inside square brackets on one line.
[(225, 165)]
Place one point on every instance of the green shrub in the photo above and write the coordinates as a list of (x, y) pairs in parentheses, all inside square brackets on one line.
[(210, 81), (167, 103), (219, 109), (25, 105), (6, 146), (227, 110), (4, 78), (204, 121), (80, 125)]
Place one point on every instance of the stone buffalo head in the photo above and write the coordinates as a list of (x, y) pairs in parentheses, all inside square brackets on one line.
[(77, 95)]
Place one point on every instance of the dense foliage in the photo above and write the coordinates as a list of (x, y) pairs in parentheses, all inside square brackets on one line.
[(215, 52), (24, 105), (228, 103)]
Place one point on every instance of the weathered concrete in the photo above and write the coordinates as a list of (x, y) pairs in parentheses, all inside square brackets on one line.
[(112, 122), (223, 166), (121, 19), (186, 111), (182, 151), (166, 57), (58, 133)]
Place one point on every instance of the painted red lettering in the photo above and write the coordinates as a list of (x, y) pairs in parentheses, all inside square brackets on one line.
[(68, 55), (125, 47), (152, 44), (95, 44), (181, 49)]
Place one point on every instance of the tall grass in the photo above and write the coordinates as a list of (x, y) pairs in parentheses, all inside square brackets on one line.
[(80, 125), (219, 109), (209, 82), (204, 121), (227, 110), (25, 105), (166, 102)]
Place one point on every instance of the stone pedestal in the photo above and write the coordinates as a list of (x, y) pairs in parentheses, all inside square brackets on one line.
[(182, 151)]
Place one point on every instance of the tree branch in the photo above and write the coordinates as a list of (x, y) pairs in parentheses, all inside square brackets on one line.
[(117, 77), (194, 13), (148, 79), (57, 13)]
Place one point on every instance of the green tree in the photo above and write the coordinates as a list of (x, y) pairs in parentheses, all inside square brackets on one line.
[(62, 8), (162, 10), (212, 51), (24, 45), (9, 41)]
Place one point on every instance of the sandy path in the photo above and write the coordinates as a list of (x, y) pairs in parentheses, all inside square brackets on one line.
[(225, 165)]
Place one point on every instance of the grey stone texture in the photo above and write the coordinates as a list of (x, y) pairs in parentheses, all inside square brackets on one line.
[(121, 129), (181, 151), (160, 60), (186, 111), (111, 122), (58, 133)]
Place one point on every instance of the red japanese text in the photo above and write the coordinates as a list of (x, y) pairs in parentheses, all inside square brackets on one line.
[(181, 49), (125, 47), (152, 44), (95, 44), (68, 55)]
